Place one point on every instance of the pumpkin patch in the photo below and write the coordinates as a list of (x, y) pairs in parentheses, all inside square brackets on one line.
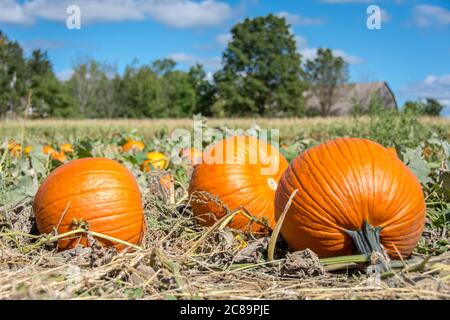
[(316, 218)]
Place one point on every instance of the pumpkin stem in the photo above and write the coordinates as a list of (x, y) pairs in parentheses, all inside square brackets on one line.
[(367, 241)]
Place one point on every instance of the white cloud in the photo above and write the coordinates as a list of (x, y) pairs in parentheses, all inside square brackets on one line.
[(302, 42), (64, 75), (432, 86), (427, 15), (11, 12), (175, 13), (298, 20), (348, 1), (309, 53), (184, 13), (223, 39), (351, 59), (43, 44), (211, 63)]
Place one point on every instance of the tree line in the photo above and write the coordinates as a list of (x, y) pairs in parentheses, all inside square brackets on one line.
[(262, 74)]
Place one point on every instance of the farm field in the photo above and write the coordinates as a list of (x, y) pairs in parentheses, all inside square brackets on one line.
[(179, 259)]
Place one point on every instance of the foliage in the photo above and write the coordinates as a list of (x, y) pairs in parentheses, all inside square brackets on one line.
[(261, 70), (429, 107), (12, 76), (325, 75)]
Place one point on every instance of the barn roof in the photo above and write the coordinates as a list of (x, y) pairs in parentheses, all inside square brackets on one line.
[(360, 94)]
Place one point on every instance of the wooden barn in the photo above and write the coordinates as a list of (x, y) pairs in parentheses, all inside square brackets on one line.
[(357, 96)]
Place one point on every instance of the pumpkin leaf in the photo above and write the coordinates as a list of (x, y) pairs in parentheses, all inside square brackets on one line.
[(84, 149), (38, 165), (444, 176), (414, 160), (25, 187)]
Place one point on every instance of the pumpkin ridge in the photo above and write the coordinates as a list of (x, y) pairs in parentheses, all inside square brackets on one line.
[(112, 231), (91, 172), (396, 199), (373, 179), (331, 198), (404, 204), (398, 223), (78, 207), (86, 191), (338, 146), (390, 172), (238, 170), (114, 165), (364, 185), (318, 186), (123, 213), (349, 186), (115, 215), (319, 216), (234, 191), (361, 177)]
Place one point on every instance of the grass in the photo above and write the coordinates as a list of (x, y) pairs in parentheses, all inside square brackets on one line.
[(180, 259)]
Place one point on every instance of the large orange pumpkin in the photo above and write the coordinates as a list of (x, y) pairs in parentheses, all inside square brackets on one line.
[(351, 189), (99, 191), (240, 171)]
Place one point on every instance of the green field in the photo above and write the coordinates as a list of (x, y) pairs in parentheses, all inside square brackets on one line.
[(165, 268)]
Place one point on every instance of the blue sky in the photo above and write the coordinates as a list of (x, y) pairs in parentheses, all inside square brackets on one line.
[(411, 51)]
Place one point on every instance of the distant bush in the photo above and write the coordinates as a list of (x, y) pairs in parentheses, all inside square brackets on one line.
[(429, 107)]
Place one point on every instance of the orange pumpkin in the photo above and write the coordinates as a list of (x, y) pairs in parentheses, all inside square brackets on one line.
[(193, 155), (156, 161), (351, 189), (99, 191), (240, 171), (133, 145)]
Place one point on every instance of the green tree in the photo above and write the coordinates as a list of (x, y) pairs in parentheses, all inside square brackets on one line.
[(204, 90), (179, 95), (141, 93), (13, 85), (49, 96), (261, 70), (325, 74), (163, 66), (413, 107), (429, 107), (432, 107), (93, 87)]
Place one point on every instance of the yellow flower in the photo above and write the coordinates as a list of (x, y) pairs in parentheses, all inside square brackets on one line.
[(59, 156), (14, 148), (27, 149), (48, 149), (66, 147)]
